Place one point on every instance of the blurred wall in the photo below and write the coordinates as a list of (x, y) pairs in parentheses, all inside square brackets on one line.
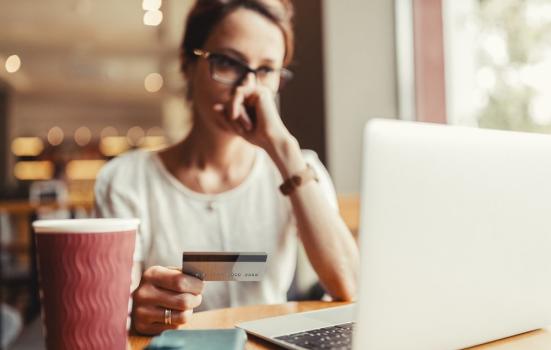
[(36, 115), (4, 139), (345, 72), (360, 80), (302, 107)]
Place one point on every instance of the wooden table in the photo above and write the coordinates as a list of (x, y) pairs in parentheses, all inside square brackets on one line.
[(227, 318)]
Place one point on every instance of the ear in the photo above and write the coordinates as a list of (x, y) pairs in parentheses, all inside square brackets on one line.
[(186, 65), (188, 71), (187, 68)]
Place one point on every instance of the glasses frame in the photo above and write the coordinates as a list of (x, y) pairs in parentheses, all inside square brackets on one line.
[(284, 74)]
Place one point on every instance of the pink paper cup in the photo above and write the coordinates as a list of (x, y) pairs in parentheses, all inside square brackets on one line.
[(84, 268)]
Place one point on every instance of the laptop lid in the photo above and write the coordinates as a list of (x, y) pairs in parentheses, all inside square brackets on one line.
[(455, 236)]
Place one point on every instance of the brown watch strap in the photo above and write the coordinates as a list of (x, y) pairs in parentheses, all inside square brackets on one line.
[(289, 185)]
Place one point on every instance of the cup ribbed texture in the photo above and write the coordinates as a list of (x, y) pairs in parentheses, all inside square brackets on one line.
[(85, 288)]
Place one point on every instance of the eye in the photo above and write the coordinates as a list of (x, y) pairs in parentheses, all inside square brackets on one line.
[(224, 61), (265, 70)]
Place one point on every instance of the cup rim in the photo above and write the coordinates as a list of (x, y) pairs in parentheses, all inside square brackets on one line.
[(98, 225)]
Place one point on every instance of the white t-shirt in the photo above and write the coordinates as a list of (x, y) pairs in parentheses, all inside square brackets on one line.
[(253, 216)]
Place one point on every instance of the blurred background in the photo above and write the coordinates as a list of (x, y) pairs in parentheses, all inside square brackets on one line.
[(82, 81)]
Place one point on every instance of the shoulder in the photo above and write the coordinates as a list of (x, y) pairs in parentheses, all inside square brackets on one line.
[(125, 170), (311, 157)]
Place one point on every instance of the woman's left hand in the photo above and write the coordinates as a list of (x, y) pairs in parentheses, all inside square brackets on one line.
[(252, 113)]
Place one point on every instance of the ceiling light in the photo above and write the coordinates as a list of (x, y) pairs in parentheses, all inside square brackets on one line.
[(27, 146), (84, 169), (13, 63), (135, 135), (151, 5), (55, 136), (33, 170), (83, 135), (111, 146), (109, 131), (153, 143), (152, 18), (153, 82)]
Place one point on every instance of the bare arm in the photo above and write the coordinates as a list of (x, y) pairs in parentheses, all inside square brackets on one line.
[(326, 239), (329, 244)]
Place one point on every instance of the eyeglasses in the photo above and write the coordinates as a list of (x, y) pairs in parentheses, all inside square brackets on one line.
[(230, 71)]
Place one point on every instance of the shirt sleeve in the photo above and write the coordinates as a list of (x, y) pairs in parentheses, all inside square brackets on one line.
[(110, 203), (324, 179)]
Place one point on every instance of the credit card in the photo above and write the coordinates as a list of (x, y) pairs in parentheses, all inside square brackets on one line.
[(225, 266)]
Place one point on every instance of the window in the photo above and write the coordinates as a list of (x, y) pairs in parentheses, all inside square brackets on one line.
[(498, 63)]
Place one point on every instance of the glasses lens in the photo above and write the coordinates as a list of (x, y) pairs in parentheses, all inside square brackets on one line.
[(284, 77), (267, 76), (225, 69)]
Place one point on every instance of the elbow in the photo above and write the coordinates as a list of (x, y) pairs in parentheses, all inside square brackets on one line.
[(344, 290), (348, 294), (341, 281), (347, 285)]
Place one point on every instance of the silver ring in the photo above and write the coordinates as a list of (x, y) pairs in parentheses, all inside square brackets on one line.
[(168, 316)]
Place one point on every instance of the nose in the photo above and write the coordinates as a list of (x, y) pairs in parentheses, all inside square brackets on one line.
[(249, 80)]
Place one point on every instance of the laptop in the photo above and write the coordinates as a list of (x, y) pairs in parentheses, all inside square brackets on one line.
[(455, 242)]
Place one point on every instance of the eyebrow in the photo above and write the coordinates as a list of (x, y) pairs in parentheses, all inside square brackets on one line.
[(243, 58)]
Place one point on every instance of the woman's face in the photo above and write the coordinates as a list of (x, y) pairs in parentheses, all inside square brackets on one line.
[(247, 37)]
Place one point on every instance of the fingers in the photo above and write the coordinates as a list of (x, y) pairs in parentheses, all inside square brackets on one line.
[(239, 122), (152, 295), (244, 119), (237, 103), (240, 125), (244, 101), (165, 288), (153, 314), (238, 112), (173, 280), (143, 325)]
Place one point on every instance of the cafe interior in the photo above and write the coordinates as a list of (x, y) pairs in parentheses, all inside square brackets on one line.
[(85, 81)]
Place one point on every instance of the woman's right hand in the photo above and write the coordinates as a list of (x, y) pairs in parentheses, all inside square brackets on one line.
[(164, 288)]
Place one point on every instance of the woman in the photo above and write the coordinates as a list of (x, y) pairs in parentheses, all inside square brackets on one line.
[(218, 189)]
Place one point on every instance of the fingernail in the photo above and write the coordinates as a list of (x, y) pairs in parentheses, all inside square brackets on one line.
[(218, 107)]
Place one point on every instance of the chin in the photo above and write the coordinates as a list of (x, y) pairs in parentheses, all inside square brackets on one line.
[(216, 125)]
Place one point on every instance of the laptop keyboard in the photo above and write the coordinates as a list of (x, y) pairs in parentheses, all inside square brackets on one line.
[(337, 337)]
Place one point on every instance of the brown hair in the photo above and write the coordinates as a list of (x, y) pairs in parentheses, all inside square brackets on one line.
[(206, 14)]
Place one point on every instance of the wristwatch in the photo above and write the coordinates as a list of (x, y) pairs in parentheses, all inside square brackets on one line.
[(300, 178)]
